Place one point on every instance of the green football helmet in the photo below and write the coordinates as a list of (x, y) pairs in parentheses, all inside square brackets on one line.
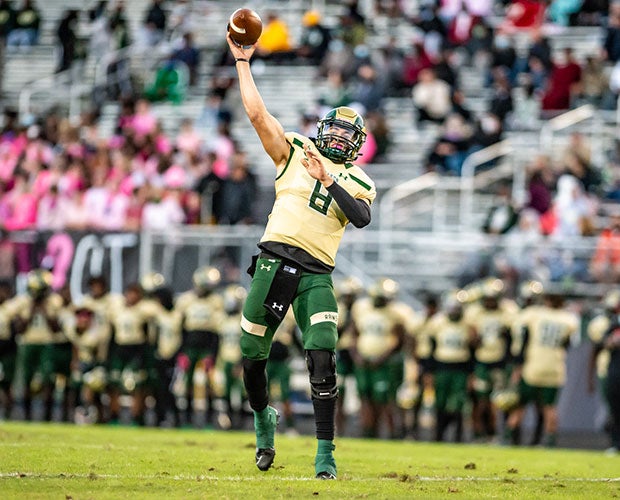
[(341, 134)]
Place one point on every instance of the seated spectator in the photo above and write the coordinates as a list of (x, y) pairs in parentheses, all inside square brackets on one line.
[(25, 32), (450, 150), (189, 140), (503, 214), (415, 60), (540, 185), (314, 40), (588, 176), (594, 85), (503, 59), (523, 15), (563, 12), (274, 42), (51, 211), (162, 209), (432, 97), (171, 79), (605, 262)]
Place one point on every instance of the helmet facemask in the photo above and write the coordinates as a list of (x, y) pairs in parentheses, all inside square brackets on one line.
[(340, 135)]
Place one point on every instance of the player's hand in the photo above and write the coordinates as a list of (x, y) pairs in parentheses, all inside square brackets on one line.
[(239, 52), (314, 166)]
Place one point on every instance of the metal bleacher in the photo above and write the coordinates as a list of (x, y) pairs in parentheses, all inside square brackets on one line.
[(420, 253)]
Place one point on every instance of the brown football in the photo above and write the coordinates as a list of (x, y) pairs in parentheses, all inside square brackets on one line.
[(245, 27)]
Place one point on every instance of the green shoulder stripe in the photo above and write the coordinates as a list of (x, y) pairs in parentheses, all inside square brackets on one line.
[(360, 182), (348, 165), (297, 142), (290, 155)]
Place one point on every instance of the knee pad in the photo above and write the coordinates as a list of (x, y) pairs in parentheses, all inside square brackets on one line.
[(322, 368)]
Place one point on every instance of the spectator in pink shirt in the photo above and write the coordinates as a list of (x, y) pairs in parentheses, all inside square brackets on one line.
[(144, 121), (51, 211), (21, 204), (189, 140)]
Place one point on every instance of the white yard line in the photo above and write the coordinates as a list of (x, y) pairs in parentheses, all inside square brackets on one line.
[(200, 477)]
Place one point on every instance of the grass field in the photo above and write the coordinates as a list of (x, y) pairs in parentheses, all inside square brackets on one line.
[(70, 462)]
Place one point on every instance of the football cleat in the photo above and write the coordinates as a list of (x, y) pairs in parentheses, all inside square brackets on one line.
[(325, 475), (264, 458), (265, 434)]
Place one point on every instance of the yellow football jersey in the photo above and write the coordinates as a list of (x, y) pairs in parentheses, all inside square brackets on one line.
[(38, 330), (92, 344), (422, 334), (491, 326), (304, 214), (549, 330), (168, 329), (375, 327), (201, 313), (596, 331), (452, 339), (129, 324)]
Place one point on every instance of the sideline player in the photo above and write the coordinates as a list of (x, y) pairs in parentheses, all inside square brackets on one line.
[(318, 192)]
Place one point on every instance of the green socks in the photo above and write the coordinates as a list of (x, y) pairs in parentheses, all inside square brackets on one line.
[(265, 423), (324, 461)]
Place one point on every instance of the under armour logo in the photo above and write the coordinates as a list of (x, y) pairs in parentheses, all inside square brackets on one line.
[(277, 306), (263, 266)]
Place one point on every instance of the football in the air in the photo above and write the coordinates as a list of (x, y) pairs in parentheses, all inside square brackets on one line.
[(245, 27)]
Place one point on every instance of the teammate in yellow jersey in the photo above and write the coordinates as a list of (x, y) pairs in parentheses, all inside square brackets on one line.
[(379, 328), (541, 364), (493, 321), (36, 313), (318, 192)]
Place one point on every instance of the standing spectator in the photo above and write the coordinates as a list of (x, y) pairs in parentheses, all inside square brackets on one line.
[(238, 192), (367, 88), (25, 32), (611, 45), (154, 23), (189, 55), (67, 39), (565, 75)]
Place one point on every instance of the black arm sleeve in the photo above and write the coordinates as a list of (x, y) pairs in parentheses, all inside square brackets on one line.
[(357, 211)]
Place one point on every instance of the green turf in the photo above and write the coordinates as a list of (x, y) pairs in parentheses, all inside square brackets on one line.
[(70, 462)]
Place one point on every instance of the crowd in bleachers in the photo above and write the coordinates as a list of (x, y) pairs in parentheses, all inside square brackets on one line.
[(465, 367)]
